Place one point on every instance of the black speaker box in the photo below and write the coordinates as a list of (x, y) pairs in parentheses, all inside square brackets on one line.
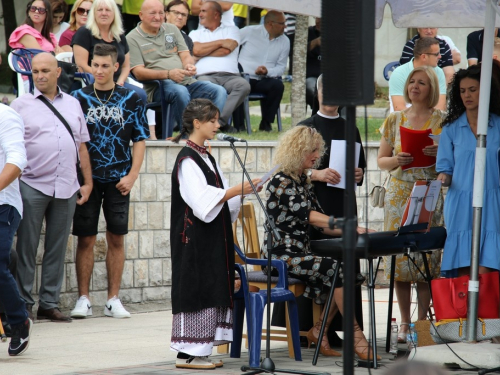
[(348, 51)]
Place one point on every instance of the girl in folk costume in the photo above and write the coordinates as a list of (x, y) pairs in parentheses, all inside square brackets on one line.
[(201, 237)]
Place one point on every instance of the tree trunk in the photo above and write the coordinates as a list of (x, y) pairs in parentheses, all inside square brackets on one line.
[(299, 70), (9, 19)]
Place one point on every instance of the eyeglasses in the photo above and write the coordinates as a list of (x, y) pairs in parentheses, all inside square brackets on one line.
[(433, 54), (177, 14), (82, 11), (280, 23), (40, 10)]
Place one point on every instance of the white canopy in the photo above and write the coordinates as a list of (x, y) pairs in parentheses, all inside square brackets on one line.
[(405, 13)]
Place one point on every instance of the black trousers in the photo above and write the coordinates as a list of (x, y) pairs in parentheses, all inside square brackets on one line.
[(12, 269), (273, 88)]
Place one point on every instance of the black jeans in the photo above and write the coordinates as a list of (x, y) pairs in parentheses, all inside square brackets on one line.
[(273, 88)]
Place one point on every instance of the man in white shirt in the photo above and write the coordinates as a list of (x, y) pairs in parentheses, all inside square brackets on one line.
[(12, 162), (227, 18), (216, 48), (263, 55)]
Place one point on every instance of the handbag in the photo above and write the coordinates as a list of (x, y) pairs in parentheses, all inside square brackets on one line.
[(377, 194), (454, 330), (450, 296), (67, 76), (79, 174)]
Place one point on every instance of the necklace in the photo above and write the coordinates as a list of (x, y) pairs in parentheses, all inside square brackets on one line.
[(110, 95)]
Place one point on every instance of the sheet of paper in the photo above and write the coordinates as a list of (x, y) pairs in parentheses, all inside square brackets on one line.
[(337, 160), (432, 195), (435, 138), (268, 175), (416, 201)]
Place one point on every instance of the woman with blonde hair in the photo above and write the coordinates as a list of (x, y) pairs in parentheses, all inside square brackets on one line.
[(292, 203), (422, 91), (104, 25), (77, 18)]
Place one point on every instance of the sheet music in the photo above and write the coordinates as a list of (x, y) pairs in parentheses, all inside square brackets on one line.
[(337, 160), (268, 175), (424, 195)]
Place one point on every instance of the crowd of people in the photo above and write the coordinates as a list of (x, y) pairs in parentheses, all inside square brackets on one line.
[(75, 157)]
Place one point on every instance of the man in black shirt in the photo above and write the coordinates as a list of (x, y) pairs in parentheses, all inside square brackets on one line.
[(331, 126), (115, 116), (475, 46)]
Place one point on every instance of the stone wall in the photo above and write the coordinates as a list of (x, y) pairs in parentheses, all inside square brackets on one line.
[(147, 272)]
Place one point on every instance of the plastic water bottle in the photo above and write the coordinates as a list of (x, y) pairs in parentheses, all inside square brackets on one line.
[(412, 337), (394, 337)]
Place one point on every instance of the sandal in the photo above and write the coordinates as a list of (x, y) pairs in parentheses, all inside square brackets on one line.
[(402, 335)]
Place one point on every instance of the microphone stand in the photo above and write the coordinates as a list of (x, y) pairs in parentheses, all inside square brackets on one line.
[(267, 365)]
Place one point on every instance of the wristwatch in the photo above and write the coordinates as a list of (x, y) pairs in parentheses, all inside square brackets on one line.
[(309, 173)]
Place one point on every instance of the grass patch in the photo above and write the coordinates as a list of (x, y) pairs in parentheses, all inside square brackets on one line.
[(373, 125)]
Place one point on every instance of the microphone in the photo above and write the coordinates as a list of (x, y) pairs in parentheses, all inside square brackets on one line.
[(225, 137)]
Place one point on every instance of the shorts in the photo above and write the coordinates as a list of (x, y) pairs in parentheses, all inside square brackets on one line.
[(114, 205)]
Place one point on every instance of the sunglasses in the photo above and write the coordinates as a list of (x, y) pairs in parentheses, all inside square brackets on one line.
[(40, 10), (82, 11), (433, 54)]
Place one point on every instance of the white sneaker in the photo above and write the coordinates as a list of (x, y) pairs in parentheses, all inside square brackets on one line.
[(115, 309), (200, 363), (82, 309)]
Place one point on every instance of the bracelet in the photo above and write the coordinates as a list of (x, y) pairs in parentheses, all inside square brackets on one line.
[(168, 74)]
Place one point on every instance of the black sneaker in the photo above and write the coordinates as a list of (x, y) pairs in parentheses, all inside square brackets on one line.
[(20, 337)]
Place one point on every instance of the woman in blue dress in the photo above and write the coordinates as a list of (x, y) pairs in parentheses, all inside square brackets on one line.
[(455, 165)]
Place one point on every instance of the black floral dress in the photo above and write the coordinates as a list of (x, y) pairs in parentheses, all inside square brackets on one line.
[(290, 202)]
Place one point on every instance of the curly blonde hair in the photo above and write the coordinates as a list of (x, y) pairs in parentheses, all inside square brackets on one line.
[(294, 146)]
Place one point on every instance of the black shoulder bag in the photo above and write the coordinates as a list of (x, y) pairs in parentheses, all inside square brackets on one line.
[(79, 174)]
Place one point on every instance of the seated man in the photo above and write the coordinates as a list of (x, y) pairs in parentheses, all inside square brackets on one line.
[(263, 55), (475, 46), (216, 47), (426, 53), (158, 52), (446, 59), (313, 64)]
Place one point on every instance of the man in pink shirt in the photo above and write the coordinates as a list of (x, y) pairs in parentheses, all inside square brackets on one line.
[(49, 185)]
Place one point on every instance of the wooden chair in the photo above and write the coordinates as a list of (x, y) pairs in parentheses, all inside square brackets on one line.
[(247, 220)]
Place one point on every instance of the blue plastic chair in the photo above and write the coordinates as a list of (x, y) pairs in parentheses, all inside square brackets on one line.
[(389, 68), (255, 303), (167, 120), (20, 62)]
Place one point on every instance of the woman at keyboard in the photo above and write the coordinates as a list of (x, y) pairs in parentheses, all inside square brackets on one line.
[(293, 205)]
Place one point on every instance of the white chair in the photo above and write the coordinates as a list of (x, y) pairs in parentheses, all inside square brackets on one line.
[(65, 56)]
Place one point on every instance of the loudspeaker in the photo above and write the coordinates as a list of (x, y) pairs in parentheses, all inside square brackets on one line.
[(348, 51)]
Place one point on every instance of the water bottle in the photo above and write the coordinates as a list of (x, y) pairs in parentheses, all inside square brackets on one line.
[(394, 337), (411, 337)]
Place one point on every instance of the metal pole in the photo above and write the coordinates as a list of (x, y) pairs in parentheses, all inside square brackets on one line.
[(479, 169), (349, 238)]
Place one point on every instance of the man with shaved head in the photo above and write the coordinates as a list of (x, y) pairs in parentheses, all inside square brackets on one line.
[(49, 185), (263, 55), (158, 52)]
